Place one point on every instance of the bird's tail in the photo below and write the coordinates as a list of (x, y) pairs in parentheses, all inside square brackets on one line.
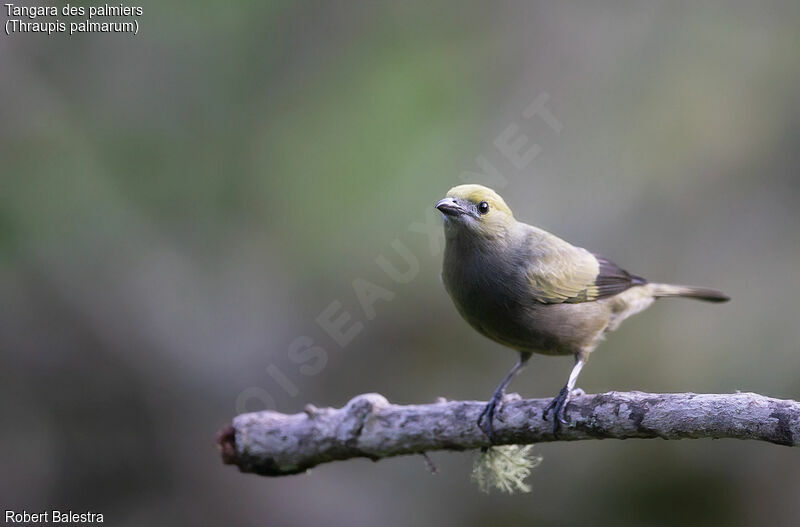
[(700, 293)]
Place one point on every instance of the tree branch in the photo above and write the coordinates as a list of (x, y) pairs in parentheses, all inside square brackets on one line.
[(276, 444)]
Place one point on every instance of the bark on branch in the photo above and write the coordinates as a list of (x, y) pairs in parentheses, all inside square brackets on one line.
[(276, 444)]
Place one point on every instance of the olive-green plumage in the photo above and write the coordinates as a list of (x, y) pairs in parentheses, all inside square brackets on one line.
[(532, 291)]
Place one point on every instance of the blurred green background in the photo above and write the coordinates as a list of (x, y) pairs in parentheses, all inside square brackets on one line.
[(179, 206)]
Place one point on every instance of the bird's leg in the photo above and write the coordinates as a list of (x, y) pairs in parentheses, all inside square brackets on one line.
[(487, 415), (559, 402)]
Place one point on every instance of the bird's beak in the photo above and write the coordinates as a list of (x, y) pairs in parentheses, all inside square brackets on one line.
[(450, 207)]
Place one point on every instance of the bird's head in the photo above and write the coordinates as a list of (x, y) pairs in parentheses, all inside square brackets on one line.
[(476, 210)]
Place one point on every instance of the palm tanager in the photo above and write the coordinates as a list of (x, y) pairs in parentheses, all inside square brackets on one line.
[(534, 292)]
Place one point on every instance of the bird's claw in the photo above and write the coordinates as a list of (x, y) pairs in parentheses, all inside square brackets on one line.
[(486, 418), (559, 407)]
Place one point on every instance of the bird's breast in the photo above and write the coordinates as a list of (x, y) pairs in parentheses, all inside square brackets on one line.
[(492, 293), (489, 293)]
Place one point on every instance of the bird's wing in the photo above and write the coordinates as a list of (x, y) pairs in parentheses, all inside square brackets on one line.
[(562, 273), (613, 279)]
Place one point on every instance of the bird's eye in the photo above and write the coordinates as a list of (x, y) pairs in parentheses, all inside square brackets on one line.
[(483, 207)]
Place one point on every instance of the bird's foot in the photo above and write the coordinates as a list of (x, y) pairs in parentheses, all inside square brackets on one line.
[(486, 419), (559, 407)]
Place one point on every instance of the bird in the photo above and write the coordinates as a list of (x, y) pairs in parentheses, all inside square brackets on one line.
[(533, 292)]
